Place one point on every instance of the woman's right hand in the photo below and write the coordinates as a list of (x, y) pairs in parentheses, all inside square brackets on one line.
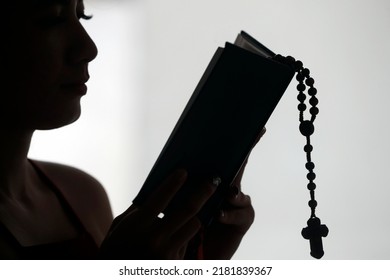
[(139, 233)]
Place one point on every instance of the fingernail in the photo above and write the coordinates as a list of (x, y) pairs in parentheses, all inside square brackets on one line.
[(262, 132), (235, 191), (216, 181)]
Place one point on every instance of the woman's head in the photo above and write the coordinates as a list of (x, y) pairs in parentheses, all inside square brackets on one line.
[(44, 56)]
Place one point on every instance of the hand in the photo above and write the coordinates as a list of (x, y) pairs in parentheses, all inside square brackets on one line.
[(224, 235), (138, 233)]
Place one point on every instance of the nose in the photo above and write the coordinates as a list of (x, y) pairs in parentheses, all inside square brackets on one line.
[(83, 48)]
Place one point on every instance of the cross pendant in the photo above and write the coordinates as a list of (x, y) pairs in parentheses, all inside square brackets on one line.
[(314, 232)]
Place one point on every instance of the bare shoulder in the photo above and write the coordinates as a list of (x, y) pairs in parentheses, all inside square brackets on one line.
[(81, 184), (84, 193)]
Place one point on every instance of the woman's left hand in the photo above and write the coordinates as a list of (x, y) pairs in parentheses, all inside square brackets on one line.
[(224, 235)]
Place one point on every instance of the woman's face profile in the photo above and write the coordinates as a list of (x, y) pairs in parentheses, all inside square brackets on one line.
[(45, 55)]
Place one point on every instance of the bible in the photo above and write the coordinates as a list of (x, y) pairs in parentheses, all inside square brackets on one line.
[(217, 129)]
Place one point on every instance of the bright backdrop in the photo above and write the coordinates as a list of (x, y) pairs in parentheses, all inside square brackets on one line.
[(152, 54)]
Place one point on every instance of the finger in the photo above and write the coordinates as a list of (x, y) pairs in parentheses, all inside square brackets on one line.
[(240, 217), (237, 197), (261, 134), (174, 246), (181, 238), (240, 200), (237, 180), (130, 211), (161, 197), (189, 206)]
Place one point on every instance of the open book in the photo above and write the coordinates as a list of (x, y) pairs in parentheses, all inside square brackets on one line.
[(231, 104)]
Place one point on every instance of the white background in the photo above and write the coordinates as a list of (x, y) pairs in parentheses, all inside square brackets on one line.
[(152, 54)]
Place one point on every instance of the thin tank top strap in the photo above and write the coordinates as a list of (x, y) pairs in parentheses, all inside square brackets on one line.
[(72, 214)]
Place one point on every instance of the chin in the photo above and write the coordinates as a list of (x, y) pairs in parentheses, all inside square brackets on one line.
[(59, 120)]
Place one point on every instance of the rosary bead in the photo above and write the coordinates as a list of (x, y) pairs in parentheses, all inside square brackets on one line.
[(311, 176), (306, 128), (309, 82), (308, 148), (301, 107), (278, 57), (300, 77), (298, 64), (306, 72), (310, 165), (312, 91), (313, 101), (290, 59), (301, 87), (314, 111), (313, 203), (301, 97), (311, 186)]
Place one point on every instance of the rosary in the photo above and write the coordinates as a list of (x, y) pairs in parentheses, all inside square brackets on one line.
[(314, 230)]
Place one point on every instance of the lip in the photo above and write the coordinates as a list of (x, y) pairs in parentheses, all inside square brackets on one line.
[(77, 88)]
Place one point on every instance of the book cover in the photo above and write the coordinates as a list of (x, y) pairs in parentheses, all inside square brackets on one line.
[(219, 125)]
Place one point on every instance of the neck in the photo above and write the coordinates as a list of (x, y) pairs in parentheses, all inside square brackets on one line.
[(14, 147)]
